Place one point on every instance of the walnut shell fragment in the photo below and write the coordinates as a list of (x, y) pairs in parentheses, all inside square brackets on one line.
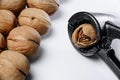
[(84, 36)]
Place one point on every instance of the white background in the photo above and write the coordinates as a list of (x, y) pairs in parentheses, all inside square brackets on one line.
[(58, 59)]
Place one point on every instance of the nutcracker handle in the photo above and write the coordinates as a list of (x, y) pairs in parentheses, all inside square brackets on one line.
[(111, 30), (111, 60)]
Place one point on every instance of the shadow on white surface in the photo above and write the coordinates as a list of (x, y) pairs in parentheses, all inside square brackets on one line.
[(56, 15), (63, 1), (102, 14), (46, 36), (59, 12), (94, 57), (38, 56), (34, 59), (29, 77)]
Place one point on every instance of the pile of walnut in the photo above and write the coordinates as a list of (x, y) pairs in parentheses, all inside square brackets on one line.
[(21, 29)]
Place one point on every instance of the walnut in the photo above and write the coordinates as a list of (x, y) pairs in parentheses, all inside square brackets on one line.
[(13, 5), (23, 39), (7, 21), (36, 18), (13, 66), (50, 6)]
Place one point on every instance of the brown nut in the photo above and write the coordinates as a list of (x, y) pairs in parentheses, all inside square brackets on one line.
[(8, 72), (18, 60), (7, 21), (24, 39), (2, 42), (12, 5), (13, 66), (50, 6), (35, 18), (84, 36)]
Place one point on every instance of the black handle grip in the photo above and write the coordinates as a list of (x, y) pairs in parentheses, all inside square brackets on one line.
[(108, 55), (111, 30)]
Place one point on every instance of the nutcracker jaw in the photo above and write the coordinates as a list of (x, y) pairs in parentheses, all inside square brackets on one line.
[(81, 18)]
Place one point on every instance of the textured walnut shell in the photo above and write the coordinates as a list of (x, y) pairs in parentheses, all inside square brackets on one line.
[(2, 42), (12, 5), (84, 36), (24, 39), (35, 18), (17, 59), (7, 21), (50, 6), (8, 71), (13, 66)]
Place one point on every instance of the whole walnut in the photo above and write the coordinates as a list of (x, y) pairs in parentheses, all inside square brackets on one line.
[(2, 42), (7, 21), (13, 5), (13, 66), (23, 39), (50, 6), (36, 18)]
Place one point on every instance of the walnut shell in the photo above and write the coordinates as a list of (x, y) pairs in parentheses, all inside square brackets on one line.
[(50, 6), (2, 42), (7, 21), (12, 5), (13, 66), (23, 39), (84, 36), (8, 72), (17, 59), (36, 18)]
